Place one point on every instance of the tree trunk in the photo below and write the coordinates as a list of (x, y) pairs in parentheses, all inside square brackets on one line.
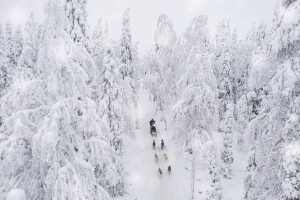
[(193, 176)]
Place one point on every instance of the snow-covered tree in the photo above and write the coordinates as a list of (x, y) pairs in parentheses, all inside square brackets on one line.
[(291, 153), (111, 105), (126, 68), (227, 154), (249, 50), (18, 45), (28, 51), (153, 78), (215, 189), (2, 40), (275, 72), (3, 63), (242, 120), (291, 171), (77, 27), (164, 35), (111, 109), (165, 51), (12, 49), (98, 44), (77, 24), (14, 45), (196, 107), (195, 112), (161, 67), (32, 40), (8, 31), (256, 36), (223, 62), (53, 145), (249, 181)]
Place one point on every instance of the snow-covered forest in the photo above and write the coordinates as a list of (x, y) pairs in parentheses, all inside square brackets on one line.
[(75, 106)]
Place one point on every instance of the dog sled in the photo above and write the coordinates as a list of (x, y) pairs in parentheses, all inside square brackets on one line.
[(153, 130)]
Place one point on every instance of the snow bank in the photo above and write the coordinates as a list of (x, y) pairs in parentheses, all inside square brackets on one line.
[(16, 194)]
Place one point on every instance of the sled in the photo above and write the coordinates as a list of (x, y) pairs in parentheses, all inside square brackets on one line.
[(153, 131)]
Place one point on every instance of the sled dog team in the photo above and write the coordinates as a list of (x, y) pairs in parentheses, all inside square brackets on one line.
[(162, 148)]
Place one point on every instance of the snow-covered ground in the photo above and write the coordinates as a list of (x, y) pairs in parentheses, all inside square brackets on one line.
[(144, 182), (16, 194)]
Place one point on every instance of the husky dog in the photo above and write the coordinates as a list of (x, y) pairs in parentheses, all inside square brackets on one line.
[(165, 156), (156, 158), (162, 144), (169, 169), (160, 172)]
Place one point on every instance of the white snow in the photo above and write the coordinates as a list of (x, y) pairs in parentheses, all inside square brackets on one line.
[(16, 194)]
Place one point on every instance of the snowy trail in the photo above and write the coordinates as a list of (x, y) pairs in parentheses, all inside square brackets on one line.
[(144, 181)]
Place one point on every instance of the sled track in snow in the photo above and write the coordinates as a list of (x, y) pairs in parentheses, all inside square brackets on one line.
[(144, 180)]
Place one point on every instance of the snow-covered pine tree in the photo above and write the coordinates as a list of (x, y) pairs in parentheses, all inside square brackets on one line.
[(291, 154), (215, 189), (13, 45), (98, 44), (227, 154), (3, 63), (196, 108), (110, 104), (161, 67), (249, 181), (128, 72), (248, 101), (8, 67), (255, 41), (291, 171), (223, 62), (256, 36), (165, 49), (2, 39), (52, 143), (111, 109), (276, 72), (195, 112), (242, 67), (18, 44), (244, 52), (164, 35), (77, 26), (126, 68), (8, 33), (242, 120), (153, 76), (32, 41)]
